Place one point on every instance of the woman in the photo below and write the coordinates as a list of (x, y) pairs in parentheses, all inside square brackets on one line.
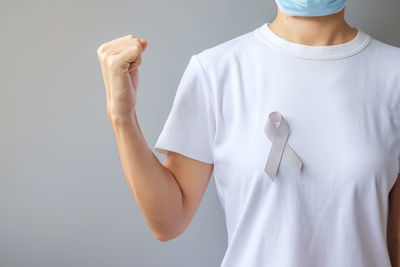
[(324, 195)]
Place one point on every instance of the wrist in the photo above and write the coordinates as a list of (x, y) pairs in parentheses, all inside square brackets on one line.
[(121, 118)]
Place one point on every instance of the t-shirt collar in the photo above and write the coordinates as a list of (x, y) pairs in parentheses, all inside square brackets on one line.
[(359, 42)]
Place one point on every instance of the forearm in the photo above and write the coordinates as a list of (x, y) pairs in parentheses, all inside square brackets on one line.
[(394, 251), (393, 229), (154, 187)]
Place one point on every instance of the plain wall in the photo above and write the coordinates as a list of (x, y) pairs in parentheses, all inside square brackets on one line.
[(63, 198)]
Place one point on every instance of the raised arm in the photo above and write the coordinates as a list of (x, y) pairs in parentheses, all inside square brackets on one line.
[(167, 194)]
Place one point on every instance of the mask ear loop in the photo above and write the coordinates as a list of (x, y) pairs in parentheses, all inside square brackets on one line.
[(278, 135)]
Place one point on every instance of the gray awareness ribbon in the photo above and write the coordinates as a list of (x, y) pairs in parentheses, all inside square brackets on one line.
[(279, 148)]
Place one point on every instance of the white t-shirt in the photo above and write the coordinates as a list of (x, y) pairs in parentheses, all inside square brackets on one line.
[(342, 104)]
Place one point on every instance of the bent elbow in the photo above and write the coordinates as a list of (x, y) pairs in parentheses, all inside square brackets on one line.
[(167, 235)]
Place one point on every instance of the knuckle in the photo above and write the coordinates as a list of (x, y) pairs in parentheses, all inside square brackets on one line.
[(132, 38), (100, 50), (102, 56), (107, 53)]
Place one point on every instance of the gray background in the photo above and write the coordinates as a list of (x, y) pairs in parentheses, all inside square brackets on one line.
[(63, 197)]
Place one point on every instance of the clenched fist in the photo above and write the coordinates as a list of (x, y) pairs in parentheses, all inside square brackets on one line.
[(119, 60)]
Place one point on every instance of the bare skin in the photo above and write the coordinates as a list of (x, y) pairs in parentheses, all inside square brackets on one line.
[(322, 30), (169, 193), (393, 229)]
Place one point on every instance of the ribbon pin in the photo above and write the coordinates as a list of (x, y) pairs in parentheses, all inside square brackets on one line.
[(279, 148)]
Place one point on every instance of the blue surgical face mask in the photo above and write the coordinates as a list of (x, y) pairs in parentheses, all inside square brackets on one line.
[(310, 8)]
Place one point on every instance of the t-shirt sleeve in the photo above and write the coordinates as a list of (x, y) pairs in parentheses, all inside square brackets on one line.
[(189, 128)]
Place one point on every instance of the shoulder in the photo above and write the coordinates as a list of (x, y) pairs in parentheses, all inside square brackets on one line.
[(224, 53), (386, 61), (383, 46), (385, 52)]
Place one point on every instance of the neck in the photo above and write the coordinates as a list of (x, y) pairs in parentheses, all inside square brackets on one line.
[(322, 31)]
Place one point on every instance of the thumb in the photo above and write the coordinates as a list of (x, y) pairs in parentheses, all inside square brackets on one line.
[(144, 44)]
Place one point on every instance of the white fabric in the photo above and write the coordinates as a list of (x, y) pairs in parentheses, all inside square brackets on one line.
[(342, 103)]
